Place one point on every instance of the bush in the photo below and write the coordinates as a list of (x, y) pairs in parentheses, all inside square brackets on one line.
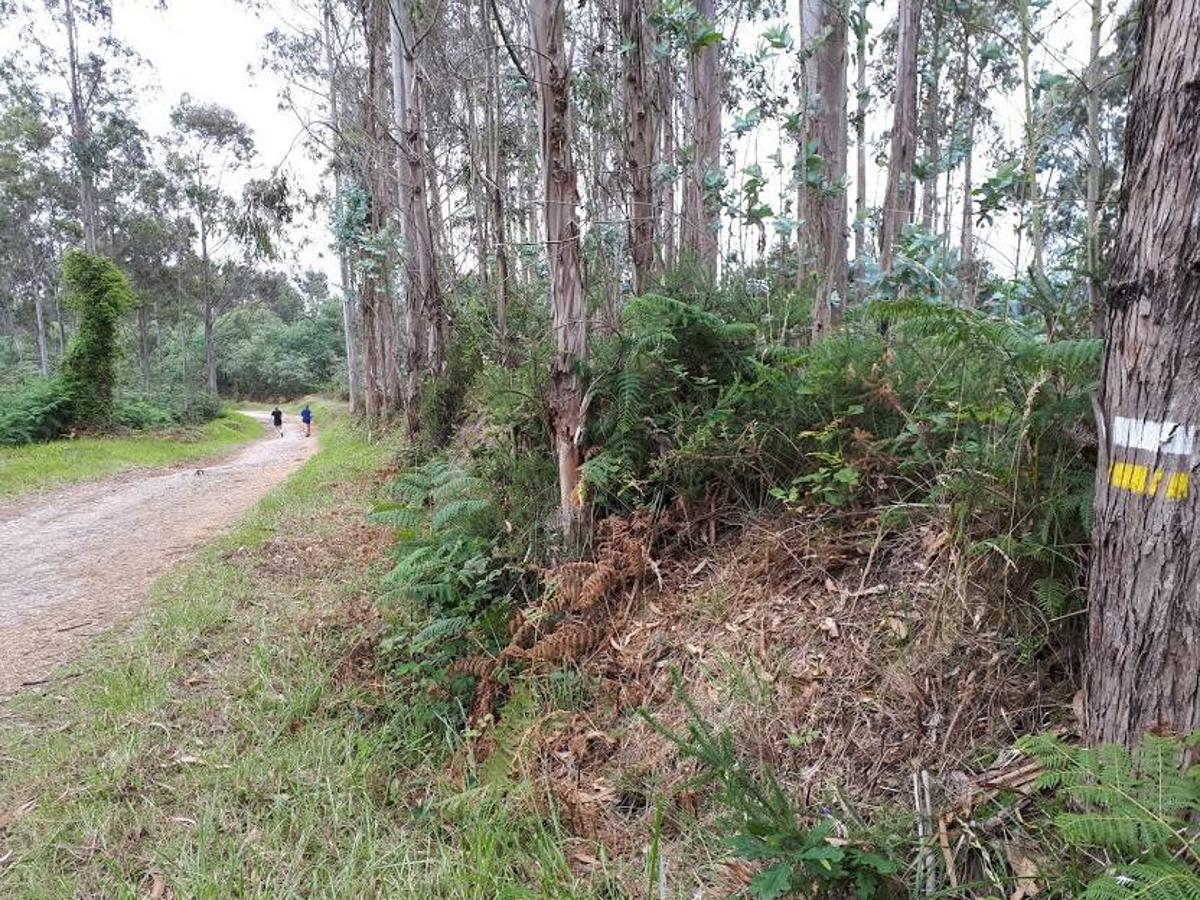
[(455, 585), (40, 411), (100, 294)]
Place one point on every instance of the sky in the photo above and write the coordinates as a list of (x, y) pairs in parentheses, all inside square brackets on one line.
[(211, 49)]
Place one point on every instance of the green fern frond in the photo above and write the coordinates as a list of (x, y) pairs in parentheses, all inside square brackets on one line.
[(1151, 880), (398, 515), (443, 629), (458, 513), (455, 485)]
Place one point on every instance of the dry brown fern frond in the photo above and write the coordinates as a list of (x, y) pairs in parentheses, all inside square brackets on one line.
[(481, 667), (566, 582), (485, 699), (596, 586), (569, 642)]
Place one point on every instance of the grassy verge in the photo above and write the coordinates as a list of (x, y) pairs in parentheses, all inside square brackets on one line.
[(36, 466), (240, 744)]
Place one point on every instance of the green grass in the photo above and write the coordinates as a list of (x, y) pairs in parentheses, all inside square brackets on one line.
[(37, 466), (221, 749)]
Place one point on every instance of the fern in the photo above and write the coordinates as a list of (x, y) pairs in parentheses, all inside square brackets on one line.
[(1138, 807), (1156, 880), (439, 630)]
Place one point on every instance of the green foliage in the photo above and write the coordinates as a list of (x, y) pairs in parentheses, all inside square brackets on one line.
[(100, 295), (1136, 808), (447, 586), (39, 411), (260, 355), (82, 392), (764, 826)]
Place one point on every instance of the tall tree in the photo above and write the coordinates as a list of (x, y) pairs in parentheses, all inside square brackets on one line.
[(823, 27), (702, 186), (424, 317), (209, 142), (898, 198), (382, 388), (81, 82), (639, 139), (861, 101), (328, 32), (1143, 618), (561, 197), (1095, 171)]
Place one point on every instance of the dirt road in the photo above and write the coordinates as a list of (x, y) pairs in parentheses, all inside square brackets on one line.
[(81, 559)]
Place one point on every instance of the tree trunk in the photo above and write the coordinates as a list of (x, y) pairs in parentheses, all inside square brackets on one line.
[(932, 127), (210, 340), (381, 389), (496, 179), (143, 339), (860, 142), (1032, 146), (40, 322), (424, 318), (353, 385), (639, 142), (81, 134), (563, 249), (826, 208), (666, 186), (1143, 614), (967, 273), (701, 194), (1094, 278), (898, 198)]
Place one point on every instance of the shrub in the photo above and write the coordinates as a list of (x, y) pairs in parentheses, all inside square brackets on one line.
[(762, 824), (455, 586), (1136, 810), (100, 294), (40, 411)]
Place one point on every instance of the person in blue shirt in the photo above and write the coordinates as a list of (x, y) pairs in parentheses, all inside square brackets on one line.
[(306, 418)]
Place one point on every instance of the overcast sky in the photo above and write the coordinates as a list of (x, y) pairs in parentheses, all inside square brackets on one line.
[(212, 49)]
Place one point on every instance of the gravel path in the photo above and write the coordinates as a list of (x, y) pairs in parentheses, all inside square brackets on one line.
[(78, 560)]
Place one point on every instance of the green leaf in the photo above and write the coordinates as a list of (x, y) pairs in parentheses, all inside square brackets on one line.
[(772, 883)]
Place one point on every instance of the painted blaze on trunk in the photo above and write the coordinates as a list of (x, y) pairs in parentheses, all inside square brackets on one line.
[(1144, 585)]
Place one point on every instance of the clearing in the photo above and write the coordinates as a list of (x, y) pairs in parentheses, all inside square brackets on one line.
[(81, 558)]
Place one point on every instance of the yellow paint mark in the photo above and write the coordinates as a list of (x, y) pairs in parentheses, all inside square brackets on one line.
[(1179, 485), (1129, 476), (1155, 481), (1139, 479)]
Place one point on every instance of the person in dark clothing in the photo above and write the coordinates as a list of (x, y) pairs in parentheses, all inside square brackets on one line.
[(277, 418), (306, 418)]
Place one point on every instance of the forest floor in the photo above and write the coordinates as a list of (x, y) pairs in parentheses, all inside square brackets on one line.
[(81, 559)]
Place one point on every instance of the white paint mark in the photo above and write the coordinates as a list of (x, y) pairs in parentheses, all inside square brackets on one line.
[(1157, 437)]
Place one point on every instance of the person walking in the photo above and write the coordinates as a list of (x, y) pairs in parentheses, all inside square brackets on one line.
[(306, 418), (277, 418)]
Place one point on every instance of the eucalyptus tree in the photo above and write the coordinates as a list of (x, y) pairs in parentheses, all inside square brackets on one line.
[(1143, 619), (552, 75), (640, 128), (822, 182), (425, 318), (899, 196), (208, 144), (33, 188), (700, 219)]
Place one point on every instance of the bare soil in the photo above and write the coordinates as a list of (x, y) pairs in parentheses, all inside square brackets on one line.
[(80, 560)]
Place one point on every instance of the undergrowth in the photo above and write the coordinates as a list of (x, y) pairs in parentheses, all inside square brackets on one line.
[(702, 405)]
